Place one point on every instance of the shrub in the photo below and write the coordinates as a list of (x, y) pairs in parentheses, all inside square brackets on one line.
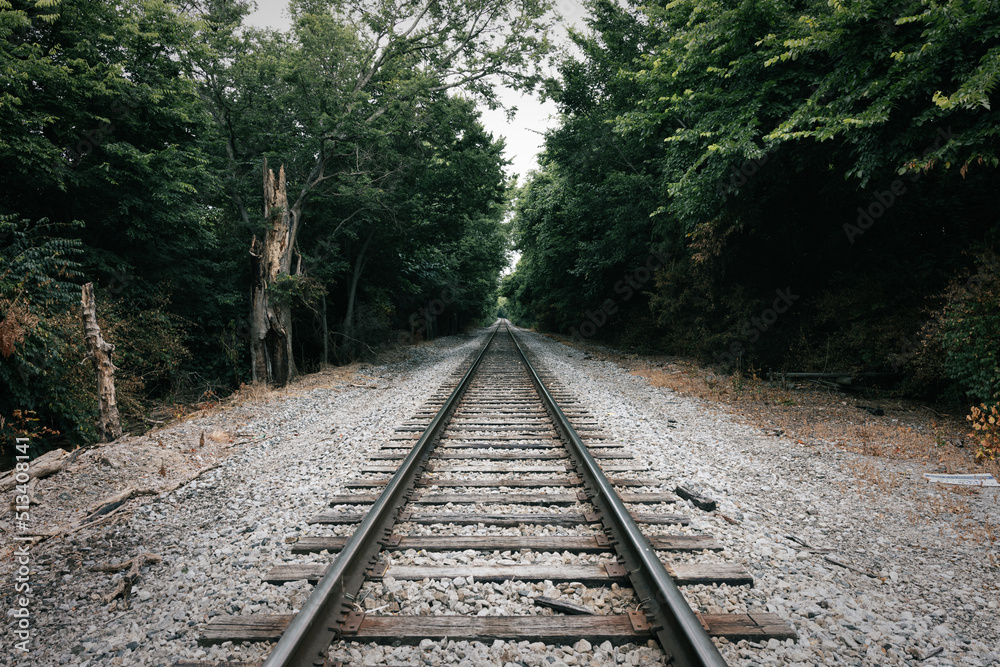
[(39, 365), (985, 431), (970, 334)]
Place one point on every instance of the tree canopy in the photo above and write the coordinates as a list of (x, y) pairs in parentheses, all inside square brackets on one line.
[(841, 153), (133, 136)]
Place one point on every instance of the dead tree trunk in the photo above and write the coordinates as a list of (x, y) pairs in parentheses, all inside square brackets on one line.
[(100, 353), (325, 326), (271, 318)]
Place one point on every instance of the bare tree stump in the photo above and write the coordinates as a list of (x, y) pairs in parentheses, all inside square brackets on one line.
[(100, 353), (270, 259)]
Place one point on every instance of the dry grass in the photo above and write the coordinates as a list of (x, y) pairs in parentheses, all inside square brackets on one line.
[(218, 435), (874, 478), (813, 415)]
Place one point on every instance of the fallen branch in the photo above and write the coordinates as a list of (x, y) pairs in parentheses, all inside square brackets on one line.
[(110, 503), (564, 607), (124, 586), (698, 498), (809, 547), (852, 568), (45, 465)]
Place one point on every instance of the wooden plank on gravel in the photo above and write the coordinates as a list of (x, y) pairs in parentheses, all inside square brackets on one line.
[(554, 629), (500, 421), (549, 629), (689, 574), (470, 518), (516, 483), (499, 456), (260, 628), (683, 574), (497, 498), (500, 467), (543, 543), (424, 498), (501, 429), (754, 627), (534, 483), (647, 498), (506, 455), (492, 438), (537, 482), (474, 444), (504, 520)]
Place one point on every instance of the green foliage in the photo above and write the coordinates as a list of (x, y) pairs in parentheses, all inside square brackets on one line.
[(844, 152), (149, 353), (38, 372), (297, 289), (49, 376), (970, 334), (44, 369), (148, 122), (37, 263)]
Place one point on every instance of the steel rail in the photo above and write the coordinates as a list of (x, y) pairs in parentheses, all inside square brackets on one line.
[(680, 633), (308, 637)]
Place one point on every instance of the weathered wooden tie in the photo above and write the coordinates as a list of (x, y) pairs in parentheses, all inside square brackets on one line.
[(618, 629)]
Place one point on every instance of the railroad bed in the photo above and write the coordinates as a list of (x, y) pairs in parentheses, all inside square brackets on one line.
[(504, 485)]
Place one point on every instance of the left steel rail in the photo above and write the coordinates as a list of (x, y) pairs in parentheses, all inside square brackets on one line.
[(308, 637)]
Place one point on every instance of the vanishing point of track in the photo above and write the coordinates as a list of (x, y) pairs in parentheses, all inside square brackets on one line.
[(505, 434)]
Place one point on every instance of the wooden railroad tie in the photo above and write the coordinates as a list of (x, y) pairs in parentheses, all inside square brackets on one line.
[(550, 543), (618, 629), (684, 574)]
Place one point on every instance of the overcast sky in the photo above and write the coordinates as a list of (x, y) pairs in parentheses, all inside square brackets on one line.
[(523, 134)]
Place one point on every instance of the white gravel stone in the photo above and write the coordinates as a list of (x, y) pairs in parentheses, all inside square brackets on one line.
[(218, 535)]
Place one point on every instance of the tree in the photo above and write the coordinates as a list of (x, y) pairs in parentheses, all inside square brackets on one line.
[(37, 267), (843, 149), (349, 66), (583, 219)]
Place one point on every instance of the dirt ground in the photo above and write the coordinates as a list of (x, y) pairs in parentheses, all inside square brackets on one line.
[(814, 413), (190, 441), (195, 439)]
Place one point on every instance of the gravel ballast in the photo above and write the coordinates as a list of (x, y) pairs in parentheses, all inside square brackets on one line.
[(918, 586)]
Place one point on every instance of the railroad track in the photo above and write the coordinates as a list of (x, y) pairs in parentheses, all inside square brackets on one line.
[(504, 463)]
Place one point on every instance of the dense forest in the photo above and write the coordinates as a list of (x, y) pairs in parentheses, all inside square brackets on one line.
[(248, 203), (776, 185), (761, 184)]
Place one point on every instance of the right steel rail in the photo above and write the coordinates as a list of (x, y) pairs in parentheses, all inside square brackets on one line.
[(680, 633)]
